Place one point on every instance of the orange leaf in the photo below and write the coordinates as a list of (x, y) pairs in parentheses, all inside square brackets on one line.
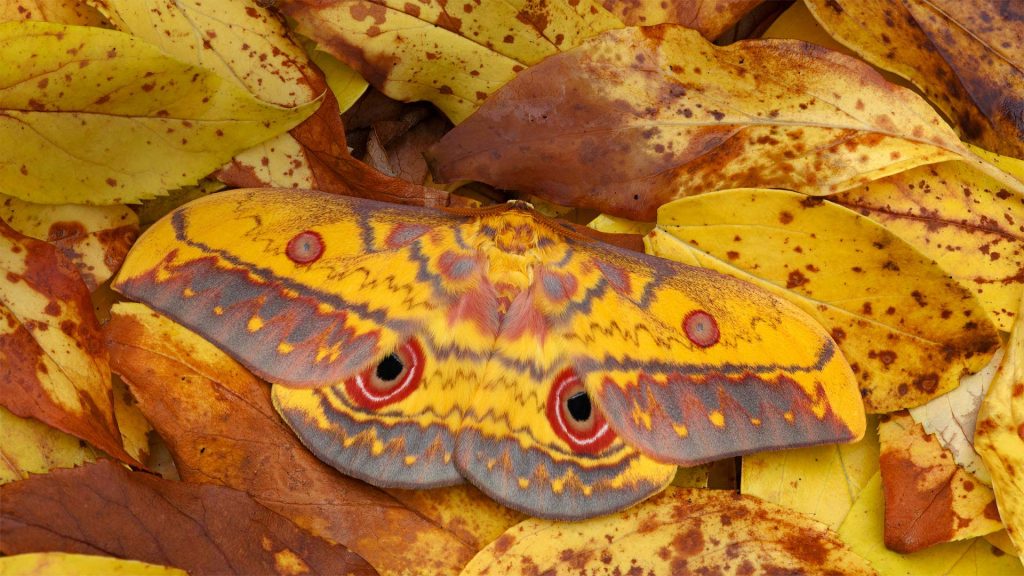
[(104, 509), (221, 428)]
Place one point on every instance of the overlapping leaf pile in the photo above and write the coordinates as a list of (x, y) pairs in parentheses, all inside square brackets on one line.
[(892, 213)]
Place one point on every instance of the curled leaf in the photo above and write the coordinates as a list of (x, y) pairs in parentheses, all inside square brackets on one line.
[(103, 508), (641, 116), (680, 531), (907, 329), (967, 57), (97, 116), (221, 428)]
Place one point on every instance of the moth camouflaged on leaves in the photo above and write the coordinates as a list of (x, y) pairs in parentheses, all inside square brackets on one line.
[(416, 348)]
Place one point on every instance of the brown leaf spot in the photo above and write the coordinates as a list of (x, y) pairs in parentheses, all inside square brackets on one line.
[(689, 543), (785, 217), (796, 278), (111, 182), (927, 383)]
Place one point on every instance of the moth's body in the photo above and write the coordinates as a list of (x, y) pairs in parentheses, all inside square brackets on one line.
[(563, 377)]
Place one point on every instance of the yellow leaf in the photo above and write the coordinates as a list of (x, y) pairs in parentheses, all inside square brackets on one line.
[(463, 510), (616, 225), (642, 116), (27, 446), (908, 331), (680, 531), (863, 530), (348, 86), (967, 57), (95, 238), (46, 563), (709, 17), (999, 437), (128, 123), (453, 57), (60, 11), (965, 220), (822, 481)]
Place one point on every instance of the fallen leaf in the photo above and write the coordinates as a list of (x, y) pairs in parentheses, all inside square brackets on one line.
[(999, 437), (642, 116), (709, 17), (967, 57), (221, 428), (44, 563), (454, 57), (929, 499), (53, 366), (91, 136), (1002, 541), (103, 508), (863, 530), (616, 225), (27, 446), (907, 329), (680, 531), (463, 510), (952, 417), (95, 238), (61, 11), (965, 220), (396, 148), (822, 481), (345, 83), (131, 421)]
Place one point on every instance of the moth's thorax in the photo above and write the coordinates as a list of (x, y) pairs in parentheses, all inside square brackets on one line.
[(514, 243)]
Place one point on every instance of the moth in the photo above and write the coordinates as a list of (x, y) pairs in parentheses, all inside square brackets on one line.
[(416, 348)]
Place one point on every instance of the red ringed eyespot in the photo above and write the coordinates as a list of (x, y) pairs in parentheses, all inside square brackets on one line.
[(701, 328), (390, 380), (573, 416), (305, 247)]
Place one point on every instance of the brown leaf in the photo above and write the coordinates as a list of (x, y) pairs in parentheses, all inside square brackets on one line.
[(53, 366), (104, 509), (967, 57), (222, 429), (642, 116), (709, 17), (928, 498)]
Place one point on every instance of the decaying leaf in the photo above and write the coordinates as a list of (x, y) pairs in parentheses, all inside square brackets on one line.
[(103, 508), (454, 56), (965, 220), (95, 238), (967, 57), (97, 116), (928, 498), (863, 531), (999, 437), (822, 481), (680, 531), (952, 417), (641, 116), (221, 428), (907, 329), (47, 563), (27, 446), (53, 366), (709, 17), (60, 11)]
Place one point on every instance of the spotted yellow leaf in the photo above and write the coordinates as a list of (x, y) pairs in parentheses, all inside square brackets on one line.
[(472, 517), (60, 11), (28, 446), (908, 330)]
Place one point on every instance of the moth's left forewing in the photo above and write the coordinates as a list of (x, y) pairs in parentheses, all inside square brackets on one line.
[(689, 365)]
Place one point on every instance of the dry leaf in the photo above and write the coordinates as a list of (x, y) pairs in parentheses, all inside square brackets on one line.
[(53, 366), (709, 17), (968, 222), (822, 481), (102, 508), (27, 446), (642, 116), (221, 428), (345, 83), (680, 531), (47, 563), (967, 57), (908, 331), (463, 510), (999, 437), (952, 418), (863, 530), (928, 498), (95, 238), (61, 11)]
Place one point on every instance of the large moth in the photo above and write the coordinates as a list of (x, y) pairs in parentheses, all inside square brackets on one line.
[(417, 348)]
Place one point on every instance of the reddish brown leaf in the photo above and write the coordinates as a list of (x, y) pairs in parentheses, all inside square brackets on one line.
[(104, 509), (53, 366), (222, 429)]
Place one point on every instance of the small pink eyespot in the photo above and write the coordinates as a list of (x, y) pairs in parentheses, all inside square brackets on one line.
[(305, 248), (574, 417), (390, 380), (701, 328)]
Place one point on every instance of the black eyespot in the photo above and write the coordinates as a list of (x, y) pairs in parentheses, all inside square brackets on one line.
[(579, 406), (390, 368)]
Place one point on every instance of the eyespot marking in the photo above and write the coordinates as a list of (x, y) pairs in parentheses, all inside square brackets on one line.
[(701, 328), (573, 416), (305, 248), (390, 380)]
